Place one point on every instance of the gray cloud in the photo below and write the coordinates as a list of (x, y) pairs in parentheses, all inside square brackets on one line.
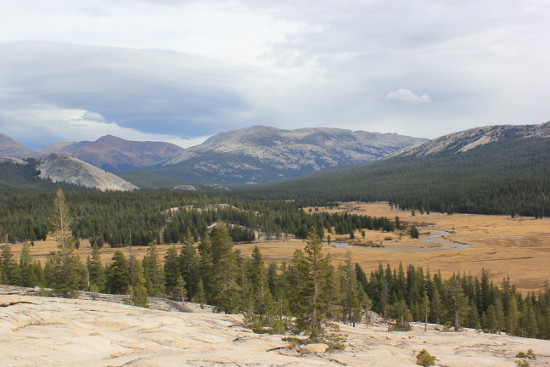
[(328, 63), (152, 91)]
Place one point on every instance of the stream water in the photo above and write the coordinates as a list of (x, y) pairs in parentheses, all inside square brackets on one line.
[(439, 234)]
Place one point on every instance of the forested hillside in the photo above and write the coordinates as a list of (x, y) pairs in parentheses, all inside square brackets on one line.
[(505, 177)]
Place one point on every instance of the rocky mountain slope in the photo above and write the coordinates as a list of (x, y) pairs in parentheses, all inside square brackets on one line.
[(466, 140), (65, 168), (113, 154), (265, 154), (11, 148), (50, 331)]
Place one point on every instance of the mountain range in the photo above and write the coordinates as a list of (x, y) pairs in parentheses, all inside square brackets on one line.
[(114, 154), (495, 169), (262, 154), (252, 155), (363, 166)]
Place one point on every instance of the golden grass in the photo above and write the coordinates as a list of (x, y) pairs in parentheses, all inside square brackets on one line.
[(518, 248)]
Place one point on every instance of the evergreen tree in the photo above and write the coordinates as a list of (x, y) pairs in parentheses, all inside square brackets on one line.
[(414, 233), (171, 272), (513, 317), (206, 270), (353, 297), (96, 273), (455, 300), (491, 321), (118, 278), (529, 325), (189, 267), (10, 269), (225, 285), (154, 275), (313, 294), (27, 274), (200, 296), (425, 308), (180, 291), (138, 291), (66, 269)]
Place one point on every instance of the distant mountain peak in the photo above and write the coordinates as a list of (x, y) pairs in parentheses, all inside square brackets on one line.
[(264, 154), (11, 148), (466, 140), (113, 153)]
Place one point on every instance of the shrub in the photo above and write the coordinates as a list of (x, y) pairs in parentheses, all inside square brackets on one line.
[(398, 326), (423, 358), (529, 355)]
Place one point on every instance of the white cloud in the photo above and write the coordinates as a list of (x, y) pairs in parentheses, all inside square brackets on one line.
[(406, 97), (92, 116)]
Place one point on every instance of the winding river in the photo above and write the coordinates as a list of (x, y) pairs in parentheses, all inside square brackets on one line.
[(440, 234)]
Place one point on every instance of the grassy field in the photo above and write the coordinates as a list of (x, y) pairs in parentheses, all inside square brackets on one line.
[(518, 248)]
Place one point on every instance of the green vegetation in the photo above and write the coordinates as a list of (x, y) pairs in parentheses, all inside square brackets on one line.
[(423, 358), (140, 218), (500, 178), (529, 355), (304, 295)]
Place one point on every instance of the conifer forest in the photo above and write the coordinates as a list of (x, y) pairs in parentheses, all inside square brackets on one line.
[(205, 266)]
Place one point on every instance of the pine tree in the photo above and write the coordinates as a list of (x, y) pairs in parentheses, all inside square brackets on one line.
[(10, 269), (27, 275), (206, 270), (96, 273), (137, 290), (436, 306), (225, 285), (513, 317), (425, 308), (414, 233), (180, 291), (529, 320), (491, 321), (312, 295), (353, 298), (200, 296), (118, 279), (189, 267), (171, 272), (154, 275), (455, 300), (262, 300), (66, 269)]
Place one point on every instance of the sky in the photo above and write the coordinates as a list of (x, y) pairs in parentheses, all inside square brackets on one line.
[(183, 70)]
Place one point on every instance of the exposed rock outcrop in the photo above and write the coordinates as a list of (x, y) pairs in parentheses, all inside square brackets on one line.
[(63, 167)]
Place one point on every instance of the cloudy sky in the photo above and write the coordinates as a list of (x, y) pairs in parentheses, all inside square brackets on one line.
[(182, 70)]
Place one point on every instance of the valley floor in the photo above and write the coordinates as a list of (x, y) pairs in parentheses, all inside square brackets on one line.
[(518, 248), (73, 332)]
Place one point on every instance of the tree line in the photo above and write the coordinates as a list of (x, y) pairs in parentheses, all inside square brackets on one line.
[(301, 295), (139, 218)]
